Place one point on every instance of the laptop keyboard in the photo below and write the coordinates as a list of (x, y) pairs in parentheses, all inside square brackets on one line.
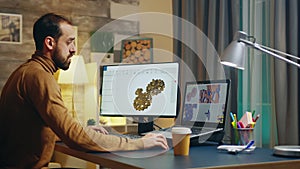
[(195, 130), (201, 130)]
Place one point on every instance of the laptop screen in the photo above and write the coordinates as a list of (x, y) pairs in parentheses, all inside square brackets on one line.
[(205, 103)]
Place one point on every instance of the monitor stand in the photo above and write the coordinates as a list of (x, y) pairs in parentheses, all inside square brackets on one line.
[(145, 124)]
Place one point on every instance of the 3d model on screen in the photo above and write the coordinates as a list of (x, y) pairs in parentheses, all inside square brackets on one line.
[(144, 99)]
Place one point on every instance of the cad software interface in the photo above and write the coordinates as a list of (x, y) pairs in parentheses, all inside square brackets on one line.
[(139, 90)]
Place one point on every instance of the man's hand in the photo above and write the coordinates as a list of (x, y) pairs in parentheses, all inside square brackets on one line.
[(99, 129), (155, 140)]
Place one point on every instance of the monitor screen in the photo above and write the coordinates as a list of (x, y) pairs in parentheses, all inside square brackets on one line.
[(149, 90)]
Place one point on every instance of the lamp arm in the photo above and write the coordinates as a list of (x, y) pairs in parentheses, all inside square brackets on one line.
[(260, 48), (280, 52)]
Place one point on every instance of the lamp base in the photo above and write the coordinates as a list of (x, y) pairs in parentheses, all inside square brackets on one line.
[(287, 150)]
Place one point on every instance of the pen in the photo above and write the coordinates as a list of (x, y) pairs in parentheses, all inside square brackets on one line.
[(235, 120), (238, 125), (257, 116), (231, 115), (233, 124), (241, 124), (253, 112), (235, 117)]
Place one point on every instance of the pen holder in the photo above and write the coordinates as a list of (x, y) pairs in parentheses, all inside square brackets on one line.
[(242, 136)]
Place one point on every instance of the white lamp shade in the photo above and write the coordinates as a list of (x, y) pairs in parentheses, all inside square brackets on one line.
[(234, 54), (76, 74)]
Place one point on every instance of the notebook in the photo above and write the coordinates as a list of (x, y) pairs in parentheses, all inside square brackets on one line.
[(204, 109)]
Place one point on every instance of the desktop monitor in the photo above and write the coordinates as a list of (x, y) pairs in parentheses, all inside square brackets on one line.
[(140, 90)]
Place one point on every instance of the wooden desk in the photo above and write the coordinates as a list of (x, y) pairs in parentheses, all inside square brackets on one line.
[(200, 157)]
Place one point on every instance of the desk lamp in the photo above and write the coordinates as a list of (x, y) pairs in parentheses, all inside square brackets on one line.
[(234, 56)]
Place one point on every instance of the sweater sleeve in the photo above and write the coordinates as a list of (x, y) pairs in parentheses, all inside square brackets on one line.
[(46, 96)]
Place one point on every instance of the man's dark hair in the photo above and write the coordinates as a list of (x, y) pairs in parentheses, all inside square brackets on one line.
[(47, 25)]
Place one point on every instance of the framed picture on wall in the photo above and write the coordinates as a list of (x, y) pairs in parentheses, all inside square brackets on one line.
[(10, 28), (137, 50)]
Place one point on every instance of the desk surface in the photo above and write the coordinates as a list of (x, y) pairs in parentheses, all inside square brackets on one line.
[(200, 157)]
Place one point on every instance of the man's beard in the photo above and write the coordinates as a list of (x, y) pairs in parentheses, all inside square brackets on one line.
[(62, 64)]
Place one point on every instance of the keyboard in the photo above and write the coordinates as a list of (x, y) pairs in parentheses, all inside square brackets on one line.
[(198, 130), (166, 133)]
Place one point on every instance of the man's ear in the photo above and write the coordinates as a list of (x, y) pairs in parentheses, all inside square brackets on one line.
[(49, 42)]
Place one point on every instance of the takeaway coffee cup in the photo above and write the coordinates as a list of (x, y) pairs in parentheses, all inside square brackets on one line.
[(181, 140)]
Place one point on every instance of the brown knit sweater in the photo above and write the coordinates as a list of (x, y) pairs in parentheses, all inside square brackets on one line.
[(32, 113)]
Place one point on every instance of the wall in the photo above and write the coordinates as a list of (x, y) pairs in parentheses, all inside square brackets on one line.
[(159, 27), (88, 15)]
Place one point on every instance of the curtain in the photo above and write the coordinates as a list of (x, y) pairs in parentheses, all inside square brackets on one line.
[(257, 78), (267, 85), (218, 21), (284, 16), (270, 86)]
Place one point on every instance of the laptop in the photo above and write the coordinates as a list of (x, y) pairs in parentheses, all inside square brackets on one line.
[(204, 110)]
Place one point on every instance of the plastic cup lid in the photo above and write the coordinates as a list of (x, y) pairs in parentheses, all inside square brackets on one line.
[(181, 130)]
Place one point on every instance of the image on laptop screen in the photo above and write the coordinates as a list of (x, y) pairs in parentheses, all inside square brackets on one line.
[(205, 103)]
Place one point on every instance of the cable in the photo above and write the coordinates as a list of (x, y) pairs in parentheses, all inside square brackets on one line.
[(157, 126)]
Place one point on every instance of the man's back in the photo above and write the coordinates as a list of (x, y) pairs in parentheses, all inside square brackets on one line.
[(23, 132)]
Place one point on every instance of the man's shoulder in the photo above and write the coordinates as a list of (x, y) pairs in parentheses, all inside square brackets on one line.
[(35, 69), (33, 72)]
